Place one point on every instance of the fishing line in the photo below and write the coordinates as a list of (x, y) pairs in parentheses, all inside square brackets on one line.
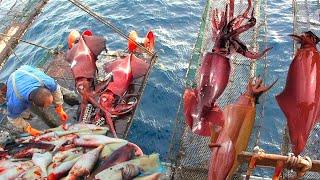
[(31, 43), (14, 53)]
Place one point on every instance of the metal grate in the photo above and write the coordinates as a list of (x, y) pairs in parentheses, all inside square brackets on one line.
[(189, 153)]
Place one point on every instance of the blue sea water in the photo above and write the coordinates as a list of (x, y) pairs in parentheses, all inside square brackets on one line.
[(175, 24)]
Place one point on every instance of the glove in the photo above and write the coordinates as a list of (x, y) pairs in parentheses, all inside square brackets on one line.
[(63, 115), (32, 131)]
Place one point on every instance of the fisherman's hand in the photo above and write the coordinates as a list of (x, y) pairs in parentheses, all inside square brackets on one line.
[(32, 131), (63, 115)]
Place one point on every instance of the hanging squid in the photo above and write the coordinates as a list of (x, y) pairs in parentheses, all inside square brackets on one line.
[(200, 106), (239, 119), (300, 99)]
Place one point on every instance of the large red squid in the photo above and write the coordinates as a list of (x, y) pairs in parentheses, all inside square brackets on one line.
[(108, 97), (300, 99), (83, 55), (200, 106), (239, 119)]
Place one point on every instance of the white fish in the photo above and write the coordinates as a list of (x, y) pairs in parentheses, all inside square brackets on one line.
[(63, 168), (32, 173), (42, 161), (95, 140), (110, 148), (86, 126), (61, 155), (86, 163), (11, 170), (146, 163), (61, 141), (55, 134)]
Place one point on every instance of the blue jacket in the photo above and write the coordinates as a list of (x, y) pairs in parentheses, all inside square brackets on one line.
[(25, 79)]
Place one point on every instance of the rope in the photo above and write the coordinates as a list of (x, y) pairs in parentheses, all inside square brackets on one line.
[(14, 53), (31, 43), (303, 165), (107, 23)]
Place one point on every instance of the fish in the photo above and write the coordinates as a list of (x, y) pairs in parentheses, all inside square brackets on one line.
[(17, 149), (61, 155), (110, 148), (146, 163), (42, 161), (300, 99), (125, 153), (58, 143), (129, 171), (95, 140), (28, 153), (85, 163), (32, 173), (92, 127), (62, 169), (11, 170), (57, 134)]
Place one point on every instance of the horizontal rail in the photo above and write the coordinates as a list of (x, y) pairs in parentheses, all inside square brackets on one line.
[(271, 160)]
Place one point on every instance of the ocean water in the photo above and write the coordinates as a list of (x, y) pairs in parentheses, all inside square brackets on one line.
[(175, 23)]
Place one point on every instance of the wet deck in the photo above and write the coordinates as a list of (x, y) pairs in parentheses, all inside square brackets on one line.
[(60, 70)]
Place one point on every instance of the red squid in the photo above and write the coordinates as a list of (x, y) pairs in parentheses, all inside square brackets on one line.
[(112, 96), (239, 119), (200, 106), (82, 55), (300, 99)]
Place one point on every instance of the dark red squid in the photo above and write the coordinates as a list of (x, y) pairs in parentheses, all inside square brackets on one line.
[(300, 99), (124, 71), (200, 106), (83, 56), (239, 119), (111, 94)]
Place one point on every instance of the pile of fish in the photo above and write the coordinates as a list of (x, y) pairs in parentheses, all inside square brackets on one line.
[(79, 151)]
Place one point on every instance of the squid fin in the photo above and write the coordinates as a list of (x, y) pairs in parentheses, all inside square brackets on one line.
[(96, 44), (138, 67)]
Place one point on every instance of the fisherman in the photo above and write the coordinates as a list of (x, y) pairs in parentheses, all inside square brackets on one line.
[(26, 87)]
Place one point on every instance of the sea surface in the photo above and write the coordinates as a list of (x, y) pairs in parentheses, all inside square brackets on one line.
[(176, 24)]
